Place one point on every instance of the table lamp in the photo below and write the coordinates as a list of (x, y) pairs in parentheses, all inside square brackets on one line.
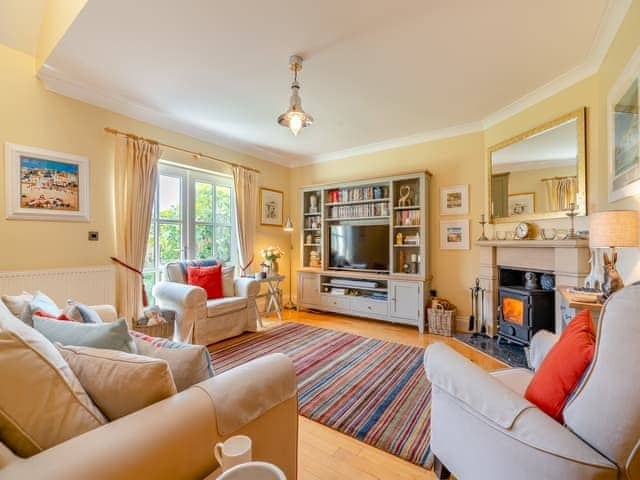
[(612, 229), (288, 227)]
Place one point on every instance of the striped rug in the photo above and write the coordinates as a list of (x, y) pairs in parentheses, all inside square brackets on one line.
[(373, 390)]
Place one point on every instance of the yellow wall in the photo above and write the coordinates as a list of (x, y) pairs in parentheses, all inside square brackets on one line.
[(33, 116)]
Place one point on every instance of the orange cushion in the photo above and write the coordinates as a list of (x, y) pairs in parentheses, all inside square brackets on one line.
[(209, 278), (563, 367)]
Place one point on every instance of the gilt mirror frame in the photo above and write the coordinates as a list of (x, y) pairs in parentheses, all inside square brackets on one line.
[(581, 198)]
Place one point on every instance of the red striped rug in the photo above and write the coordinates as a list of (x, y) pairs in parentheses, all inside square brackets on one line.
[(373, 390)]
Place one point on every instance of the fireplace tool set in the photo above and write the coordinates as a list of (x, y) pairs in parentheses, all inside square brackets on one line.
[(477, 321)]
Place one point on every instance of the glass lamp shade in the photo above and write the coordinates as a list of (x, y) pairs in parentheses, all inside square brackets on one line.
[(288, 225), (295, 120), (615, 228)]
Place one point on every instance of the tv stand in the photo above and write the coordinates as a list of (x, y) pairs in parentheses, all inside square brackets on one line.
[(397, 296)]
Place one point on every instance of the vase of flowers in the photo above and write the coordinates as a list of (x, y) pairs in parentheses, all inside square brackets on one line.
[(272, 255)]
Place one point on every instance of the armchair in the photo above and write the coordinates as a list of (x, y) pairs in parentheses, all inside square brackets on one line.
[(203, 321), (482, 427)]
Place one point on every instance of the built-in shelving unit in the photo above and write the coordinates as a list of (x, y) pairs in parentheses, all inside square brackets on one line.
[(399, 293)]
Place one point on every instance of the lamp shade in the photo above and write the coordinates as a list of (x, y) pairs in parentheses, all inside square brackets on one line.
[(615, 228), (288, 225)]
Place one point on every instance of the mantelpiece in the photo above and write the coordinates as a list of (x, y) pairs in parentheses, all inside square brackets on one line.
[(568, 260)]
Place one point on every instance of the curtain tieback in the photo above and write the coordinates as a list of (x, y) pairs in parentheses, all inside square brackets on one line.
[(145, 300), (244, 269)]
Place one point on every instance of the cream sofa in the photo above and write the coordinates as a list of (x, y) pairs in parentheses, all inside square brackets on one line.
[(483, 428), (203, 321), (173, 439)]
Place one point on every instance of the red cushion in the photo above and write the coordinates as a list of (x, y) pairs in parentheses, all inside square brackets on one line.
[(62, 316), (563, 367), (209, 278)]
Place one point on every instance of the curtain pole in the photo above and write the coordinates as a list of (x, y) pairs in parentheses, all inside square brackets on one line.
[(113, 131)]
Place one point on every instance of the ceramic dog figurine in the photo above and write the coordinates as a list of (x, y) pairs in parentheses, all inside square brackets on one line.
[(612, 279)]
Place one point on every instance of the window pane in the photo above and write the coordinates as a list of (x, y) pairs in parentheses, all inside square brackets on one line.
[(170, 194), (170, 242), (204, 202), (149, 282), (204, 241), (223, 243), (150, 257), (223, 205)]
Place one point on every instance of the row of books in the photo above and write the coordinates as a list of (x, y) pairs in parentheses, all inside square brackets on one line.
[(357, 194), (407, 217), (380, 209)]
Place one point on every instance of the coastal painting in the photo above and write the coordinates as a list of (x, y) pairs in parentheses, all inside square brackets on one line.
[(46, 185)]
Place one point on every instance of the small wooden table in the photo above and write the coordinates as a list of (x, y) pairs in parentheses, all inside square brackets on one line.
[(273, 294), (594, 308)]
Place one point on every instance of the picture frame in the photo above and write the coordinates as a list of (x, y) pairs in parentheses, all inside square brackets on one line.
[(521, 203), (623, 113), (454, 234), (454, 200), (271, 207), (46, 185)]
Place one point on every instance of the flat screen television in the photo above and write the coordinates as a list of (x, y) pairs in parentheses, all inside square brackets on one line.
[(359, 247)]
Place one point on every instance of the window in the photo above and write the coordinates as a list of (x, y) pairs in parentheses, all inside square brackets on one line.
[(191, 219)]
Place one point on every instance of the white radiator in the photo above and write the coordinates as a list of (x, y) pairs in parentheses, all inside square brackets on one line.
[(88, 285)]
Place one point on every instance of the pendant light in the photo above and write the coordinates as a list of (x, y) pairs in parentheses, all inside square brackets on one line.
[(295, 118)]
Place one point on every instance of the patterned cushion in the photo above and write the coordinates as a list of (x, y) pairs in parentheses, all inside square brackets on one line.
[(189, 364), (81, 313)]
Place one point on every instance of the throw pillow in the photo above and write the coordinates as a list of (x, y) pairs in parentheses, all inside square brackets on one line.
[(81, 313), (17, 303), (119, 383), (189, 364), (563, 367), (114, 335), (40, 303), (209, 278), (228, 287), (62, 316), (42, 403)]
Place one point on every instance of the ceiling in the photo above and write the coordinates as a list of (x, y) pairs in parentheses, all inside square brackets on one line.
[(20, 22), (393, 73)]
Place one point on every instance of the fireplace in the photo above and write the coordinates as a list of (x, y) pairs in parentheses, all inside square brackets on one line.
[(523, 307)]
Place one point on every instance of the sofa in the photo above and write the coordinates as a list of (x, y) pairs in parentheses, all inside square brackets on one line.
[(174, 438), (203, 321), (482, 427)]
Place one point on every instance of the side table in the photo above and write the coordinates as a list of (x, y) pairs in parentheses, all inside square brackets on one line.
[(273, 294)]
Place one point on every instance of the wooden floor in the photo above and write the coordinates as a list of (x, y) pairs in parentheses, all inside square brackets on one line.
[(325, 454)]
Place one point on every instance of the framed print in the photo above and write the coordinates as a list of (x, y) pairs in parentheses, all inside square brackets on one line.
[(45, 185), (624, 132), (454, 235), (454, 200), (271, 204), (521, 203)]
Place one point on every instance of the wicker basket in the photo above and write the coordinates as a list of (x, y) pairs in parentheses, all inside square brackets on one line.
[(162, 330), (441, 321)]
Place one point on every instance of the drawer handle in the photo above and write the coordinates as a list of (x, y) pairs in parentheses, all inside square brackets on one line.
[(369, 307)]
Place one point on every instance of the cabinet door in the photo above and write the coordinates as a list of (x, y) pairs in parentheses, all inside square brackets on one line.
[(406, 302), (309, 289)]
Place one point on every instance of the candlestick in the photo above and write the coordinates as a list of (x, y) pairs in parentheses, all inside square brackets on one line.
[(572, 218), (483, 237)]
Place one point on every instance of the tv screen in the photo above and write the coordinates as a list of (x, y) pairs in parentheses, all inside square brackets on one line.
[(359, 247)]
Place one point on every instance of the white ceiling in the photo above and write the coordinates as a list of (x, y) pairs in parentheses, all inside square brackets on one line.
[(20, 22), (376, 74)]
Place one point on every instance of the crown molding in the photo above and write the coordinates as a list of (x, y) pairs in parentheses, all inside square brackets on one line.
[(57, 82)]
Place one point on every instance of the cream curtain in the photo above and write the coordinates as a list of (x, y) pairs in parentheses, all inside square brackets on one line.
[(136, 175), (561, 192), (246, 203)]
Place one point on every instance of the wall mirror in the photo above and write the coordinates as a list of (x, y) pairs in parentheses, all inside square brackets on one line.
[(539, 173)]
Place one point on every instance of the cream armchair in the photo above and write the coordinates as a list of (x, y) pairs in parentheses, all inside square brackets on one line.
[(203, 321), (174, 438), (483, 428)]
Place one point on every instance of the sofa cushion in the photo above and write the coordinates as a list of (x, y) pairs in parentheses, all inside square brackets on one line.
[(563, 367), (208, 278), (119, 383), (79, 312), (114, 335), (39, 303), (42, 403), (228, 286), (189, 364), (222, 306), (17, 303)]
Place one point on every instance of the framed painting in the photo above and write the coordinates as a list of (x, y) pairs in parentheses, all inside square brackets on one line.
[(454, 200), (271, 205), (45, 185), (454, 235), (521, 203), (624, 132)]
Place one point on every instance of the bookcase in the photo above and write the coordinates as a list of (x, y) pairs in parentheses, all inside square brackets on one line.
[(397, 294)]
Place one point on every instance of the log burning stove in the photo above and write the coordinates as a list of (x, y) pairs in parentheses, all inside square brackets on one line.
[(523, 310)]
